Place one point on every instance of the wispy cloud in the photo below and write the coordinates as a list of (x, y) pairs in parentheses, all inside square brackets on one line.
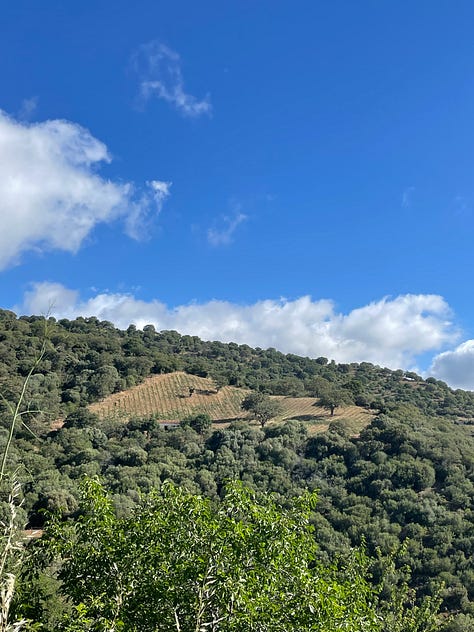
[(407, 197), (462, 206), (223, 235), (27, 108), (389, 332), (159, 71), (142, 212), (51, 193)]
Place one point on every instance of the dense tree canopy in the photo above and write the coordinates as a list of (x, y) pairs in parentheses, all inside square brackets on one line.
[(181, 563)]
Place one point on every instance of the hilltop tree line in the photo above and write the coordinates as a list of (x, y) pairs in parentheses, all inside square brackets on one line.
[(87, 359)]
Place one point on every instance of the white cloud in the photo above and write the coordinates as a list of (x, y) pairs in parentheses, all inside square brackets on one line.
[(51, 196), (456, 367), (28, 108), (389, 332), (223, 236), (138, 218), (159, 70)]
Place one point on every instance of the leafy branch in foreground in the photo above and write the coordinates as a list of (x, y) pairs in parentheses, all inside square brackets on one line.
[(180, 563)]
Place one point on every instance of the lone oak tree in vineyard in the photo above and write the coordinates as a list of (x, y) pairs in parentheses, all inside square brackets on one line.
[(331, 398), (261, 407)]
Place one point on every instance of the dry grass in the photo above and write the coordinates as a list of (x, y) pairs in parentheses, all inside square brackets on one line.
[(11, 555), (167, 397)]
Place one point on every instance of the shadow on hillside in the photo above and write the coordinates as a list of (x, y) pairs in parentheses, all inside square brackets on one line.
[(196, 391), (321, 418), (229, 420)]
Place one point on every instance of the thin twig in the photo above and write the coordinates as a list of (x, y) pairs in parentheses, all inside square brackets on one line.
[(16, 411)]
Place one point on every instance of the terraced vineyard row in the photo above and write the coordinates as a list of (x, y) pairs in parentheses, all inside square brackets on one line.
[(354, 418), (169, 397), (174, 396)]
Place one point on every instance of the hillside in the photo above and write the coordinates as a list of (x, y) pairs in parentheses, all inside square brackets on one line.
[(174, 396), (393, 468), (86, 360)]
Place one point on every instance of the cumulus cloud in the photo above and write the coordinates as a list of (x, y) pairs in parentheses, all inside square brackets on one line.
[(159, 71), (51, 195), (389, 332), (456, 367), (223, 235)]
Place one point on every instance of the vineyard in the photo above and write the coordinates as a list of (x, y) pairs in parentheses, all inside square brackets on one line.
[(174, 396), (353, 418)]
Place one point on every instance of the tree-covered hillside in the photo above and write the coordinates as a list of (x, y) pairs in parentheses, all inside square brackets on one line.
[(87, 359), (403, 486)]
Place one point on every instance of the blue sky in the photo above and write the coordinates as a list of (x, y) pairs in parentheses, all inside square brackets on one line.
[(295, 175)]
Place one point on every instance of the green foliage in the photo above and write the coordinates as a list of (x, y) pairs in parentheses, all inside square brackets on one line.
[(201, 423), (220, 380), (81, 418), (332, 397), (180, 563), (407, 478), (261, 407)]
